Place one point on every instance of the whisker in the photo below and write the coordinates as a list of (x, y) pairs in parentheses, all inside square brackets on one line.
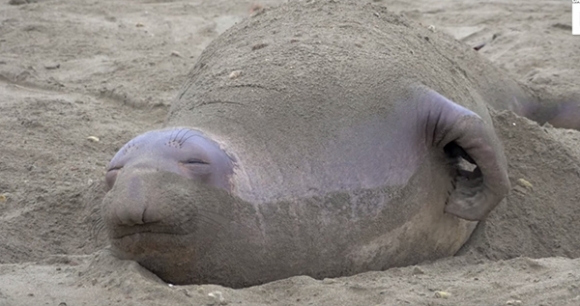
[(185, 134), (193, 135), (97, 228), (205, 217), (171, 135), (177, 135), (207, 220)]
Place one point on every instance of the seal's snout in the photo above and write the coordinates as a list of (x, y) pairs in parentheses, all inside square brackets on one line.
[(132, 211), (134, 205)]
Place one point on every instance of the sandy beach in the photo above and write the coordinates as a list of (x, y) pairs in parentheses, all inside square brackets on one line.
[(78, 79)]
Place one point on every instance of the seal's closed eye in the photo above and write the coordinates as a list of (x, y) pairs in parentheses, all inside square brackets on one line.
[(195, 161)]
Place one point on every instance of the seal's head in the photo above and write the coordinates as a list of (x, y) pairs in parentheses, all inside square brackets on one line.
[(162, 186)]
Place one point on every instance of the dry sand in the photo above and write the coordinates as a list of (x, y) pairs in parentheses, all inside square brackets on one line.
[(109, 69)]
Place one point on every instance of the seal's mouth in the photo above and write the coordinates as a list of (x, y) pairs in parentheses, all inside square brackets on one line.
[(121, 231), (155, 246)]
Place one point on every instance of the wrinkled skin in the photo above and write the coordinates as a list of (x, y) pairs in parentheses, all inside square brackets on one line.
[(322, 159)]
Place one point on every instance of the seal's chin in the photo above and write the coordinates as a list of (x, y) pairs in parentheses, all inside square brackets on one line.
[(133, 242), (168, 255)]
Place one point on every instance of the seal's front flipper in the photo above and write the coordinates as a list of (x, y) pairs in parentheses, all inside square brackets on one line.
[(557, 111), (567, 114), (462, 133)]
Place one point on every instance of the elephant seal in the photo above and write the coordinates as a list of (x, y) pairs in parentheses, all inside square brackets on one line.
[(338, 146)]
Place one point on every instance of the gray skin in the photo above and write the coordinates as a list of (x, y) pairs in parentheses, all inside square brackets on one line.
[(336, 151)]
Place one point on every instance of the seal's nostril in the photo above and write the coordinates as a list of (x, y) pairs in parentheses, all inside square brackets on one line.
[(130, 217)]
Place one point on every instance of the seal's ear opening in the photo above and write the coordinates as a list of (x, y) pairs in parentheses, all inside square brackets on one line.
[(463, 135), (460, 160), (467, 175)]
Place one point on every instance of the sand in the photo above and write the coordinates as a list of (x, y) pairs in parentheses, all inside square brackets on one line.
[(80, 78)]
